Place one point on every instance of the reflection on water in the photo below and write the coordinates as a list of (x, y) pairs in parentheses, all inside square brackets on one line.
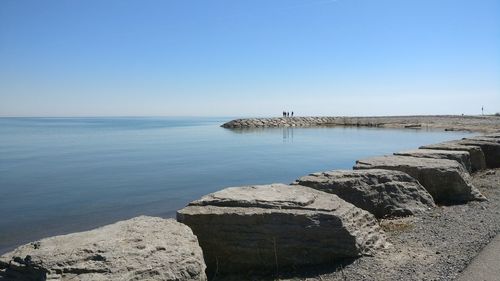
[(287, 134)]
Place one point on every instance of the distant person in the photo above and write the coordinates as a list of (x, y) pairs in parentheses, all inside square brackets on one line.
[(288, 114), (292, 113), (284, 114)]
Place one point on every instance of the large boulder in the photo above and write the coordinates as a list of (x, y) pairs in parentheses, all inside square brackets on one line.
[(462, 157), (142, 248), (493, 135), (477, 159), (485, 138), (266, 227), (446, 180), (490, 148), (384, 193)]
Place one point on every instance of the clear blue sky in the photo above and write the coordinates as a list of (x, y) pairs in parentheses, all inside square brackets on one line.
[(248, 58)]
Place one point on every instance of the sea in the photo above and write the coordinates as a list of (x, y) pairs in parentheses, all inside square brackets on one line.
[(62, 175)]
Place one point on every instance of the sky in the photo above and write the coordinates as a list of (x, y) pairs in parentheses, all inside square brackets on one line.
[(249, 57)]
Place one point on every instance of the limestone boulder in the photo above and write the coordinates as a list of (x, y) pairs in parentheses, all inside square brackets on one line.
[(446, 180), (384, 193), (266, 227), (493, 135), (462, 157), (477, 159), (490, 138), (490, 148), (142, 248)]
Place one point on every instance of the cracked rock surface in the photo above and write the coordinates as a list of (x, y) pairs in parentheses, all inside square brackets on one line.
[(462, 157), (266, 227), (477, 159), (490, 147), (142, 248), (446, 180), (430, 246), (384, 193)]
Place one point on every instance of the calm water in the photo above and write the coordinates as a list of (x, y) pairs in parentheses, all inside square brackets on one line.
[(60, 175)]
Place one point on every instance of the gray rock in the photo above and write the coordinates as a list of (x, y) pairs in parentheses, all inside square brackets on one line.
[(446, 180), (383, 193), (477, 159), (274, 226), (142, 248), (485, 138), (493, 135), (490, 148), (462, 157)]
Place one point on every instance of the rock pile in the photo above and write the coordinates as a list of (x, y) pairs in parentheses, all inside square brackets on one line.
[(281, 122), (446, 122), (268, 226)]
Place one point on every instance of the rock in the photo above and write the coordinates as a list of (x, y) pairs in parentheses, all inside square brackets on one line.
[(462, 157), (490, 148), (266, 227), (477, 159), (446, 180), (383, 193), (493, 135), (485, 138), (142, 248)]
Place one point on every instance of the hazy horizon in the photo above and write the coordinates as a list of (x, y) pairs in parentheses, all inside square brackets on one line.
[(248, 58), (233, 116)]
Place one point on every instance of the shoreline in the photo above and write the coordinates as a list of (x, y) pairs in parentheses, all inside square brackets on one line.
[(481, 124), (433, 245)]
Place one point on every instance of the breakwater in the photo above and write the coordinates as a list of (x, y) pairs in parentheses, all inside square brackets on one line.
[(446, 122)]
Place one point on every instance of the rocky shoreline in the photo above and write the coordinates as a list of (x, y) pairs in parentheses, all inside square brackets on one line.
[(484, 124), (416, 215)]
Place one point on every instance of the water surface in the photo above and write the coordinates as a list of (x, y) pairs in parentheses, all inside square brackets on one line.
[(60, 175)]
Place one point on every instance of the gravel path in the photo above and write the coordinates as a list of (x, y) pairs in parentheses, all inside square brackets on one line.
[(434, 246), (485, 265)]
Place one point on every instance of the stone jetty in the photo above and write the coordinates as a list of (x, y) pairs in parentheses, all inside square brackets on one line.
[(484, 124), (278, 226)]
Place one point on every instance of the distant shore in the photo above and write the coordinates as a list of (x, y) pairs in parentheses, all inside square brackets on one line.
[(483, 124)]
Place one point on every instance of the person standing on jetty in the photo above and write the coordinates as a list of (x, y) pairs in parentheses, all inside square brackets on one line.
[(292, 113)]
